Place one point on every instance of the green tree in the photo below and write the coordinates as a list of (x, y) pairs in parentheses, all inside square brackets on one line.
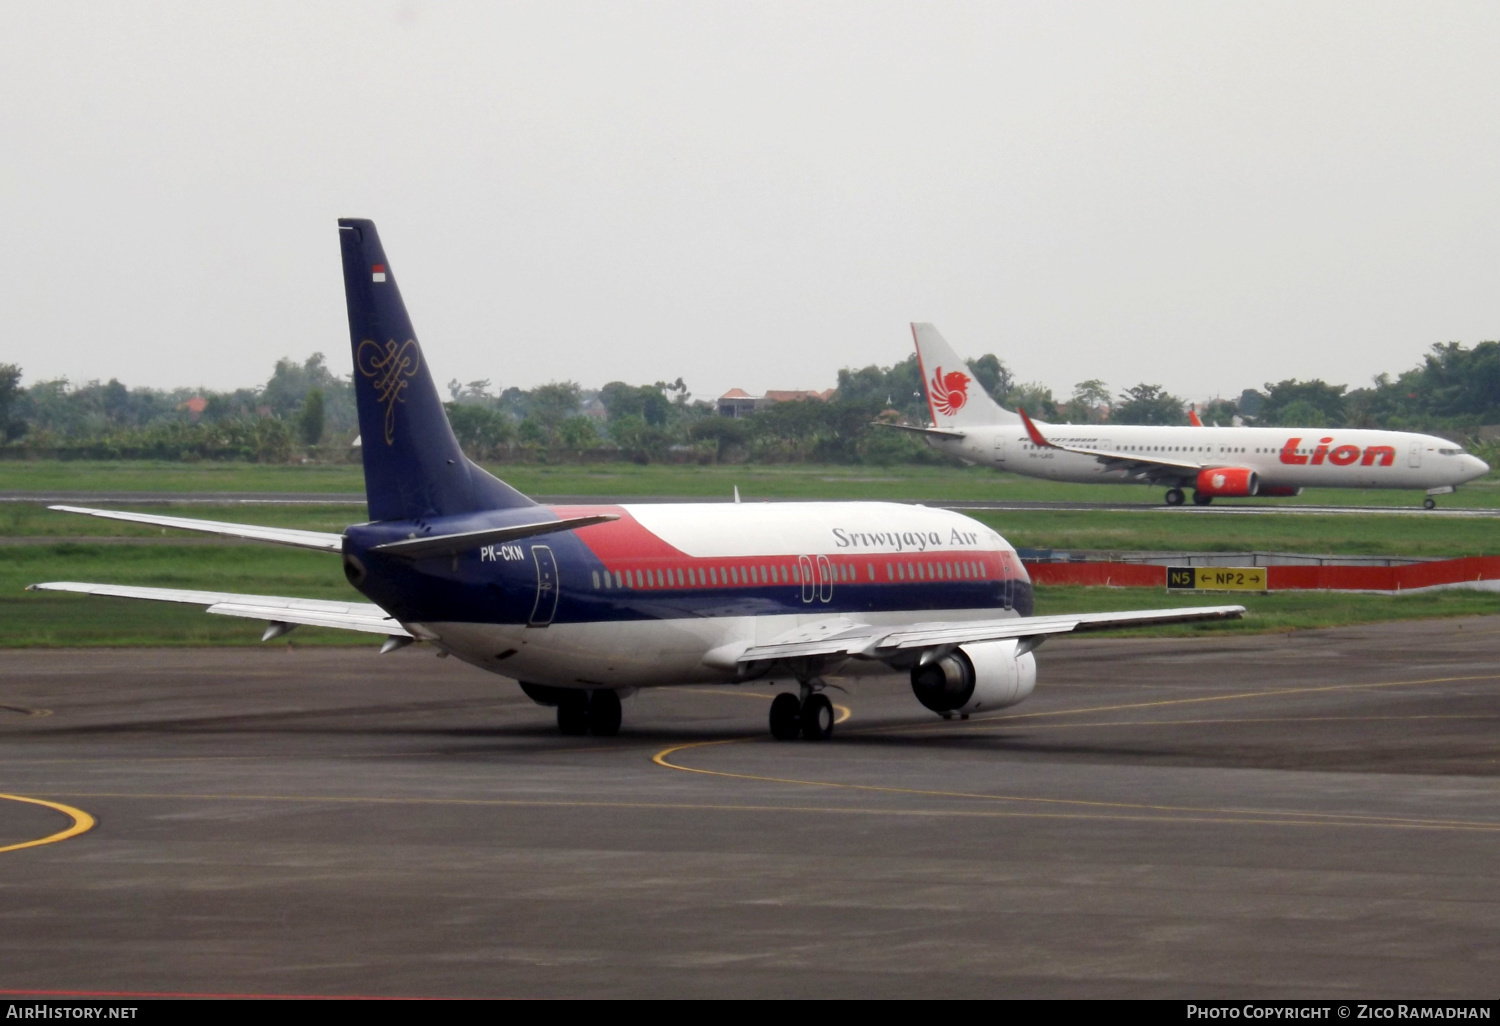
[(1148, 404), (483, 433), (10, 391), (310, 420), (1287, 401), (1218, 412), (1036, 399), (637, 438), (1089, 403), (649, 402), (898, 387), (578, 433), (553, 403), (728, 434), (990, 371)]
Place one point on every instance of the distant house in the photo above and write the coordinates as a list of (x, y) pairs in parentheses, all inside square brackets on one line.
[(738, 403), (195, 407), (595, 410)]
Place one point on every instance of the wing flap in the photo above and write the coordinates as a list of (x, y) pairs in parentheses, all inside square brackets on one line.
[(349, 616), (870, 642), (248, 532)]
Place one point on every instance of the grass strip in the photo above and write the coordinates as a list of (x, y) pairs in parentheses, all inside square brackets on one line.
[(755, 481)]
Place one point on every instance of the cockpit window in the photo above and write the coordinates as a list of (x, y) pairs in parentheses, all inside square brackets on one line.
[(1450, 452)]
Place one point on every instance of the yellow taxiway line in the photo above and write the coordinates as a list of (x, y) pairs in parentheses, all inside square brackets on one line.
[(82, 822)]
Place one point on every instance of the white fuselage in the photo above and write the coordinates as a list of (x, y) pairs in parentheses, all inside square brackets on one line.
[(671, 594), (1280, 457)]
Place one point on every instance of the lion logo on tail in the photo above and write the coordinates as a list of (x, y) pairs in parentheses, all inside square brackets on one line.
[(949, 391)]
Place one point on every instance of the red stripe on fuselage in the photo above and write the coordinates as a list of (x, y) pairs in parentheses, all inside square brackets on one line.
[(625, 545)]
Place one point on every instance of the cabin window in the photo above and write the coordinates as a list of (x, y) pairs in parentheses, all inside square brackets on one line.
[(872, 571), (595, 575), (629, 580), (734, 576)]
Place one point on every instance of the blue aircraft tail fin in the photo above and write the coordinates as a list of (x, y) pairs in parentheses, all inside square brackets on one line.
[(413, 464)]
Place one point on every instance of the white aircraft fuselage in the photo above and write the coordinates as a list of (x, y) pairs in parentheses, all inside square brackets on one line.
[(1282, 458)]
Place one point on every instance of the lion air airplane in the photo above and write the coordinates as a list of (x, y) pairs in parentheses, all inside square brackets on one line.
[(1229, 462), (585, 604)]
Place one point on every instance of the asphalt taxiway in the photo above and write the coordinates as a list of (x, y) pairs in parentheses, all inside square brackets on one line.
[(1311, 814)]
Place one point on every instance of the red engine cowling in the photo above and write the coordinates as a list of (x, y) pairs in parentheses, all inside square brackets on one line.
[(1233, 482)]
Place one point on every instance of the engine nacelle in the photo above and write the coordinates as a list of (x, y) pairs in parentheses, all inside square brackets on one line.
[(1232, 482), (975, 678)]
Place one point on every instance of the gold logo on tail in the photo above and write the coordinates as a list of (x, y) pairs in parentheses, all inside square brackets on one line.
[(390, 369)]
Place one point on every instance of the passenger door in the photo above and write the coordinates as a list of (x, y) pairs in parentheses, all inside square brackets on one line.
[(825, 579), (546, 586), (809, 586)]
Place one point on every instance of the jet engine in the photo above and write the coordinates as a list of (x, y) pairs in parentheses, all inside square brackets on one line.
[(1233, 482), (976, 678)]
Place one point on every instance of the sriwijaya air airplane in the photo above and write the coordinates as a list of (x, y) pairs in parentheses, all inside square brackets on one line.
[(583, 605)]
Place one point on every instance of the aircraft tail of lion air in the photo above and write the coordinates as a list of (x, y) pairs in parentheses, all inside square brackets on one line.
[(1214, 462), (954, 397), (582, 605)]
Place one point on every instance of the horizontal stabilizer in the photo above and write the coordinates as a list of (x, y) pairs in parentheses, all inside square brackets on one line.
[(939, 432), (453, 544), (349, 616), (249, 532)]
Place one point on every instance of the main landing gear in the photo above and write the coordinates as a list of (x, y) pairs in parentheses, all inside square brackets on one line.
[(1174, 496), (589, 712), (810, 716), (1202, 498)]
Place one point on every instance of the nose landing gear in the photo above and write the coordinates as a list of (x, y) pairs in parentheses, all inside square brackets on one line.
[(1429, 503), (1174, 496)]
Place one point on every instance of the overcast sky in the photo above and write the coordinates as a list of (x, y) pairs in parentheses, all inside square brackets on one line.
[(1201, 195)]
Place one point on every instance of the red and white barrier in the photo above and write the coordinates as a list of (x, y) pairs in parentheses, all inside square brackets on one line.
[(1480, 573)]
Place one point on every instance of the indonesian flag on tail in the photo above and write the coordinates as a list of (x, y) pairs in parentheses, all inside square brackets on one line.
[(377, 273)]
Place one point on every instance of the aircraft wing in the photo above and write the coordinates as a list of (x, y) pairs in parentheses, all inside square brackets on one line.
[(864, 641), (1177, 468), (249, 532), (349, 616)]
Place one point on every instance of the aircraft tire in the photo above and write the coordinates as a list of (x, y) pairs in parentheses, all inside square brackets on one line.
[(786, 717), (1429, 503), (604, 713), (573, 714), (817, 718), (1202, 499), (1174, 496)]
